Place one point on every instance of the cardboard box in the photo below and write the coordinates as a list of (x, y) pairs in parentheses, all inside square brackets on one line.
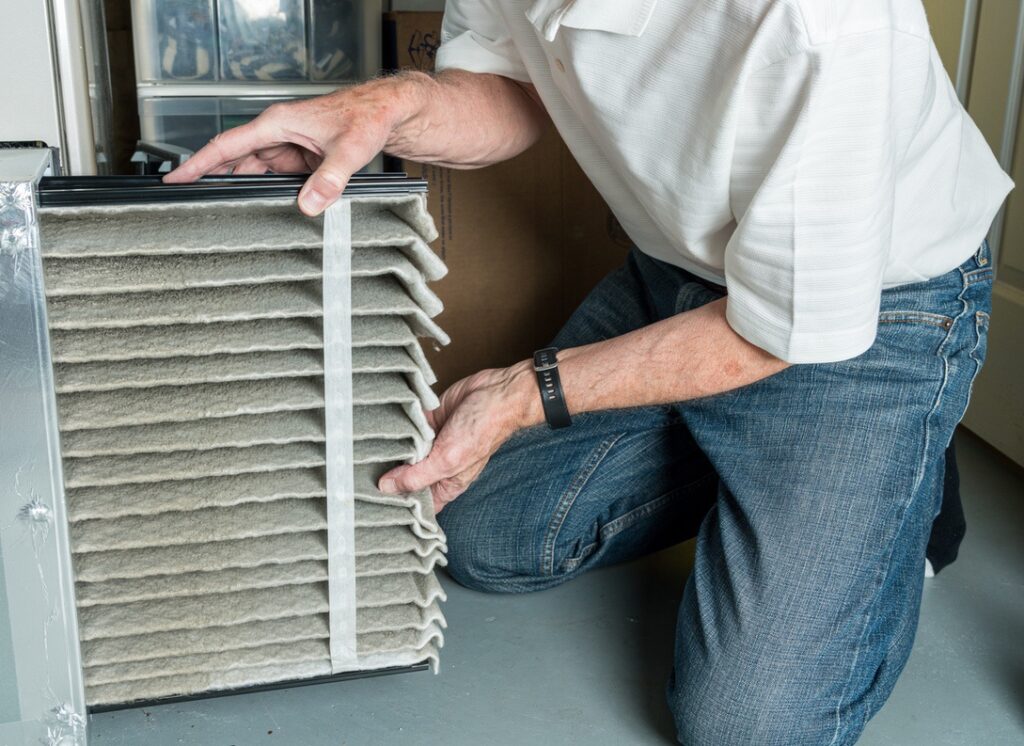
[(524, 240)]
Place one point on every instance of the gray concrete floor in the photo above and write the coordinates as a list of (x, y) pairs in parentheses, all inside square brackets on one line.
[(586, 663)]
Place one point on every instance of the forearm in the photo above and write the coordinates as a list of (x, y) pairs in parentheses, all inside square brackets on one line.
[(687, 356), (461, 119)]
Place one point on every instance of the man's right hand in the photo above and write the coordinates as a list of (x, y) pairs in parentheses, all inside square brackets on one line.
[(456, 118), (333, 136)]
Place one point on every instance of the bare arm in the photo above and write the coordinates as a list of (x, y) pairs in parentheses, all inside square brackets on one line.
[(466, 120), (457, 118), (687, 356), (684, 357)]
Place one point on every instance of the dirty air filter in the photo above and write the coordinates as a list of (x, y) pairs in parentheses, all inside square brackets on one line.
[(231, 380)]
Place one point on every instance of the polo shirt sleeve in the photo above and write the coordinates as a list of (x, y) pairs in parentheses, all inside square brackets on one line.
[(475, 38), (813, 191)]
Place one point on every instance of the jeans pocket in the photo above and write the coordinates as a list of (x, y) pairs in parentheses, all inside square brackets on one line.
[(920, 334), (916, 317)]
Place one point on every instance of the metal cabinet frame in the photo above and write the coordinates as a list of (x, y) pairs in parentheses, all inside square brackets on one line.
[(35, 555)]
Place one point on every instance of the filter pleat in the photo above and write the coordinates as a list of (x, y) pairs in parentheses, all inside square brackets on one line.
[(241, 521), (386, 564), (425, 629), (281, 548), (384, 296), (162, 342), (183, 585), (399, 617), (379, 451), (374, 226), (208, 582), (420, 520), (140, 563), (197, 612), (406, 657), (105, 651), (220, 368), (100, 409), (371, 296), (90, 503), (202, 306), (101, 276), (182, 371), (183, 228), (160, 467), (391, 360), (372, 421), (273, 428), (220, 661), (200, 526), (388, 262), (401, 640), (193, 684)]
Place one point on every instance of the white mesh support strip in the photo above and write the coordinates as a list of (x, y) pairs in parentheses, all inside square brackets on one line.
[(337, 325)]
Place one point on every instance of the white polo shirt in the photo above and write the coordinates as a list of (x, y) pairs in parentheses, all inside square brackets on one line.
[(804, 153)]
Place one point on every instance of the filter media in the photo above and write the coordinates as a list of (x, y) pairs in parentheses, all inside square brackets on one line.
[(202, 449)]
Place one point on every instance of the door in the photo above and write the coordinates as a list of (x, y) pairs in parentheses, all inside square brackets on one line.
[(982, 44)]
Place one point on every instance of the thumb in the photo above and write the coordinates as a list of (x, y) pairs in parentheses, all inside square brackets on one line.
[(327, 183), (415, 477)]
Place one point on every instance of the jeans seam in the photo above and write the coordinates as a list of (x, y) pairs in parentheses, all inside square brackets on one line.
[(640, 512), (980, 319), (631, 518), (565, 502), (885, 567)]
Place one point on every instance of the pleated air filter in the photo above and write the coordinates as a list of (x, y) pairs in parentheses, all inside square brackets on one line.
[(231, 380)]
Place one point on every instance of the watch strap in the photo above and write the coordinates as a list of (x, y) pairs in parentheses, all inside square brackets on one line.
[(552, 398)]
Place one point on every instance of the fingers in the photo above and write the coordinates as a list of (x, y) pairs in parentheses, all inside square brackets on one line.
[(288, 159), (250, 165), (291, 135), (226, 147), (327, 183), (235, 144), (414, 477)]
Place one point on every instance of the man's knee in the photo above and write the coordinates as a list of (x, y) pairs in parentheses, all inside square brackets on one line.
[(769, 684), (485, 555), (713, 708)]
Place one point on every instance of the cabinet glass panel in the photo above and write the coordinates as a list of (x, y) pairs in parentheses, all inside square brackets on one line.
[(175, 40), (336, 40), (262, 40)]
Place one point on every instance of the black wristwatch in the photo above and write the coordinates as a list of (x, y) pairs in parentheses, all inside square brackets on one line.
[(552, 398)]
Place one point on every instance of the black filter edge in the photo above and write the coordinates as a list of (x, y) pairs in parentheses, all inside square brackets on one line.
[(275, 686), (85, 191)]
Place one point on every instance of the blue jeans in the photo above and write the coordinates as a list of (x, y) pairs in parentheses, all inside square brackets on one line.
[(811, 494)]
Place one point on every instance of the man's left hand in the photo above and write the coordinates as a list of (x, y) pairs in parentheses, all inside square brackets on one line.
[(476, 416)]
